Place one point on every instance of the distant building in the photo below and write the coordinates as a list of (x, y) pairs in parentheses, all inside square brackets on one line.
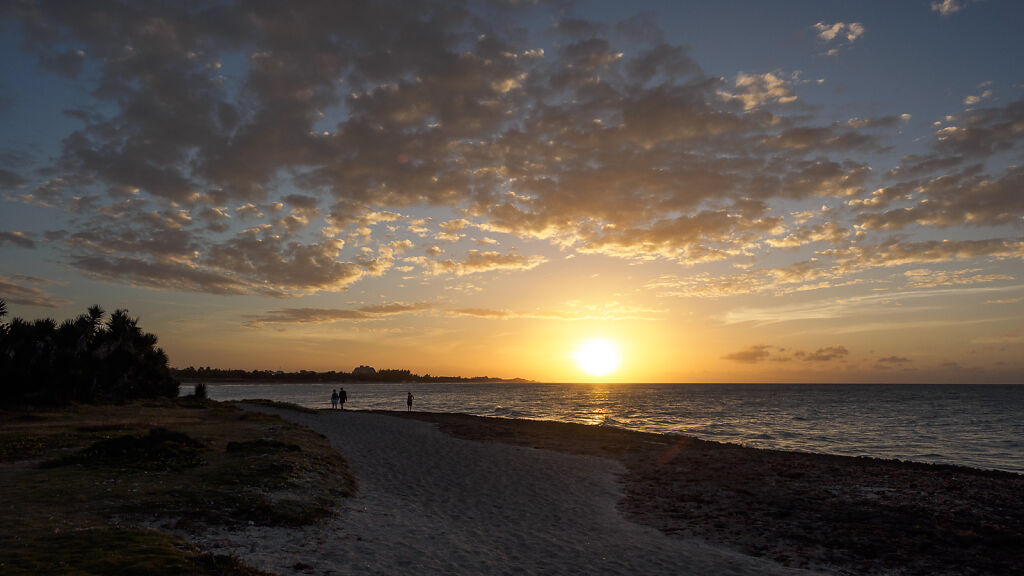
[(364, 371)]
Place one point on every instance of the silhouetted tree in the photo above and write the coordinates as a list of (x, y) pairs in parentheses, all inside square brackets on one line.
[(81, 360)]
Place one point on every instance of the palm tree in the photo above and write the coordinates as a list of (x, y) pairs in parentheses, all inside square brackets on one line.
[(81, 360), (132, 365), (76, 340), (6, 366)]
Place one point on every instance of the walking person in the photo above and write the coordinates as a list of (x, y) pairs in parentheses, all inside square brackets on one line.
[(342, 396), (334, 399), (408, 402)]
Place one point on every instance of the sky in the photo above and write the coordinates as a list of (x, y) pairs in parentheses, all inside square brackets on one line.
[(729, 191)]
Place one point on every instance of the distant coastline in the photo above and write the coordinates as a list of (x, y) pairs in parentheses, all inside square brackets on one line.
[(360, 374)]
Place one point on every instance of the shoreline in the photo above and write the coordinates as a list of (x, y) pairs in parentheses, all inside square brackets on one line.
[(801, 509), (441, 419), (448, 422), (905, 423)]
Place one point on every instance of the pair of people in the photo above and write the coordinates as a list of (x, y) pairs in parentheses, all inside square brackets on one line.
[(338, 398)]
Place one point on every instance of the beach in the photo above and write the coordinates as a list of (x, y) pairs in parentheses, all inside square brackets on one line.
[(455, 494)]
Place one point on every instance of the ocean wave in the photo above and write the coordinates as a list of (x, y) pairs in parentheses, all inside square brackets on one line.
[(503, 412), (610, 422)]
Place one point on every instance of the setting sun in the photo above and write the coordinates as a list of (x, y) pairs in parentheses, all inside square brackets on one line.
[(598, 356)]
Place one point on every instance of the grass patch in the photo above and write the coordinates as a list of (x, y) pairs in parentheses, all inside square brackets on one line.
[(78, 479), (261, 446), (161, 449), (117, 552)]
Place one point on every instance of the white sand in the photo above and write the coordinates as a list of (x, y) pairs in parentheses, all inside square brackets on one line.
[(428, 503)]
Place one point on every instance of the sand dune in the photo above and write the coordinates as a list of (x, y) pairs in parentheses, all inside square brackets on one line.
[(429, 503)]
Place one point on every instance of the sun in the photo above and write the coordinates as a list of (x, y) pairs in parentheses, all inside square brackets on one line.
[(598, 356)]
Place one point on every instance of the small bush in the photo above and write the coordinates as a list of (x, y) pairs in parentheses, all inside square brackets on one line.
[(161, 449)]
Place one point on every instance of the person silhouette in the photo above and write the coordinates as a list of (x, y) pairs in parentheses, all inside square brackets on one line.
[(408, 402), (342, 396), (334, 399)]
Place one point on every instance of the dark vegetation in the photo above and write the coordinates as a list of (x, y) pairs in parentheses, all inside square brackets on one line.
[(160, 449), (85, 359), (386, 375), (102, 467), (108, 489), (862, 516)]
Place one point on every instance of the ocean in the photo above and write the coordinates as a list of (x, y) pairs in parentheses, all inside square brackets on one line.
[(981, 426)]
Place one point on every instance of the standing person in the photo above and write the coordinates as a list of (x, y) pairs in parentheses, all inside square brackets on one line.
[(334, 399), (408, 402), (342, 396)]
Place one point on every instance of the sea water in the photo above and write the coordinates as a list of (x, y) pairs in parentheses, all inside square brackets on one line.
[(980, 426)]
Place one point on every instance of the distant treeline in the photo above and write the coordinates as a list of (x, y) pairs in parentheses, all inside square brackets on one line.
[(85, 359), (387, 375)]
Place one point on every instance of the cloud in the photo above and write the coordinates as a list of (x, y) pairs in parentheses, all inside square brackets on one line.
[(897, 253), (751, 354), (893, 360), (1014, 337), (839, 35), (829, 32), (161, 275), (10, 180), (826, 354), (16, 238), (1006, 300), (572, 312), (328, 315), (16, 291), (579, 28), (841, 262), (925, 278), (256, 149), (451, 230), (964, 198), (801, 276), (757, 90), (477, 262), (663, 59), (763, 352), (68, 63), (975, 99), (949, 7), (394, 308), (484, 313), (819, 138), (830, 232), (983, 132), (887, 305)]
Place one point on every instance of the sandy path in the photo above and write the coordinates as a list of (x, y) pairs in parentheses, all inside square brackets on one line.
[(432, 504)]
